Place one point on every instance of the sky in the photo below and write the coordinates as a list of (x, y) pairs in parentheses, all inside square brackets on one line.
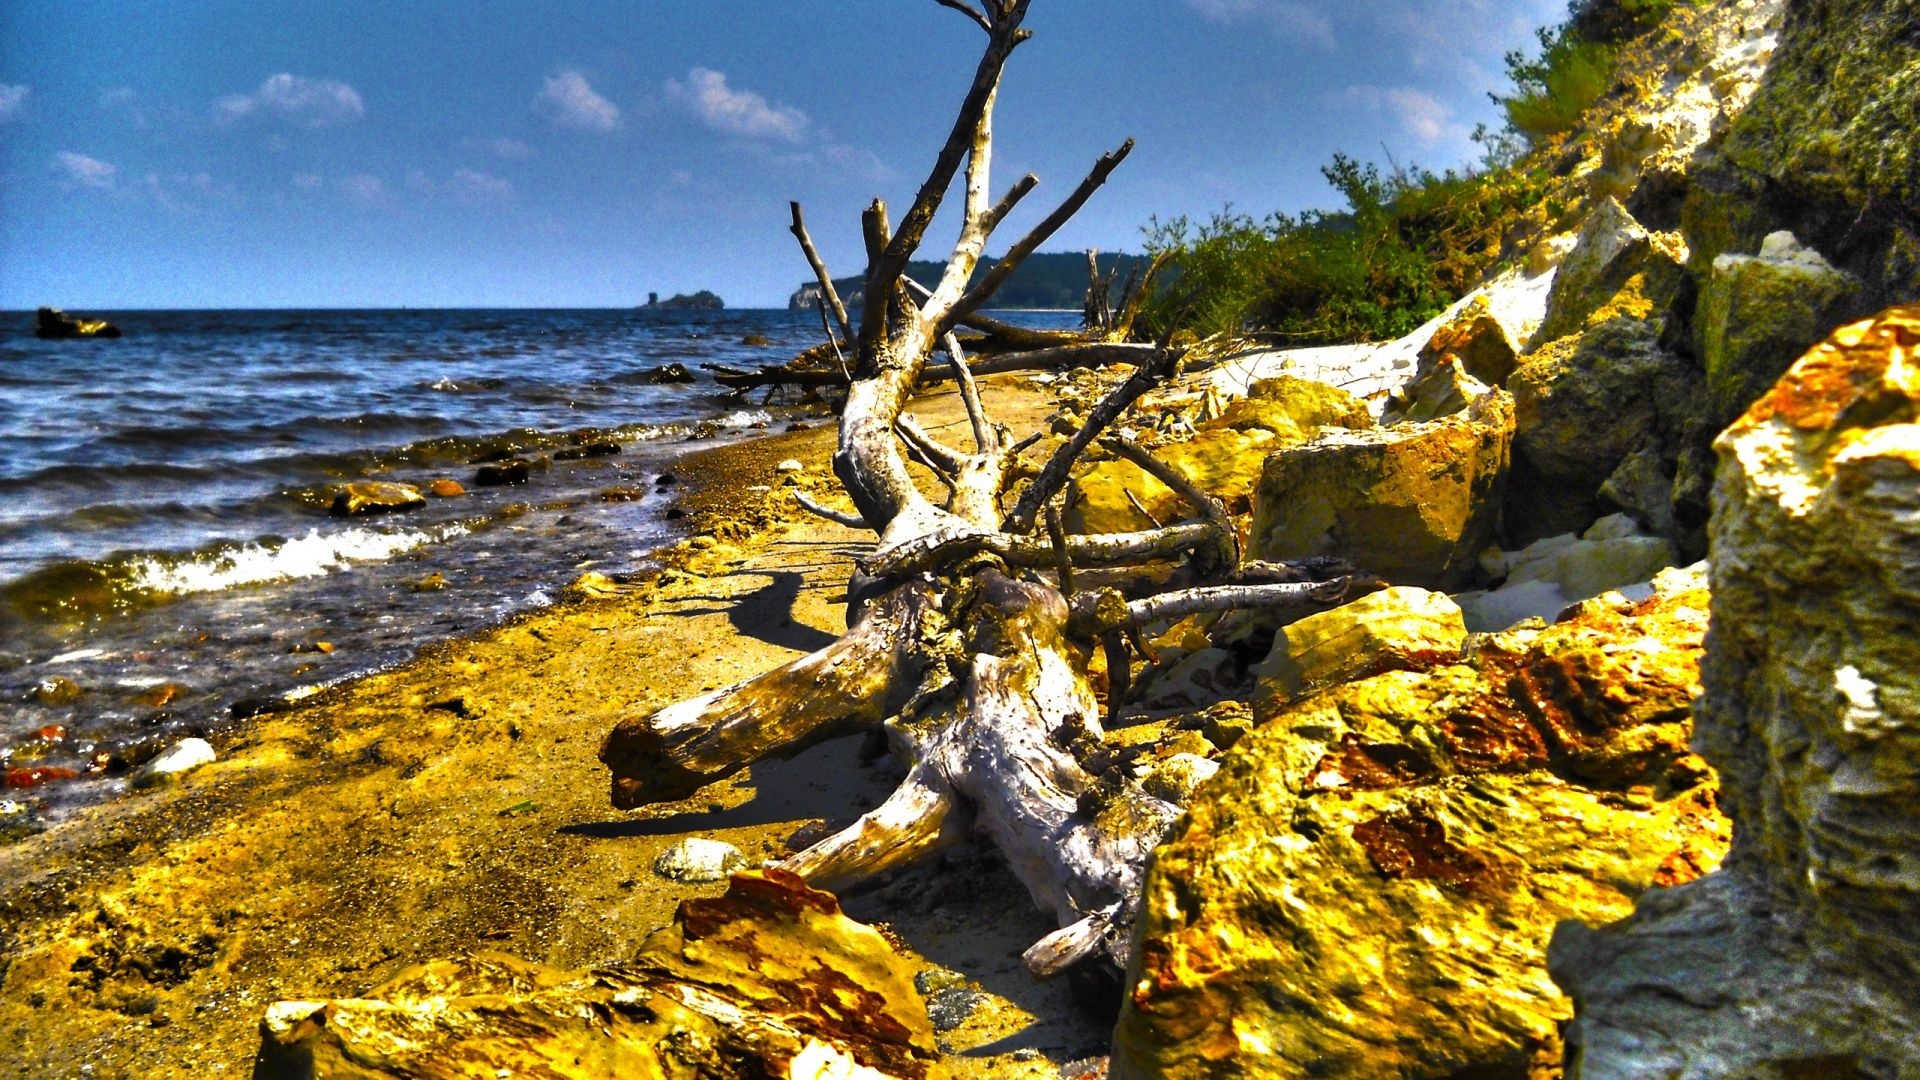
[(479, 153)]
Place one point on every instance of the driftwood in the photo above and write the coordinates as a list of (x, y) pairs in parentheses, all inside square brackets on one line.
[(960, 649)]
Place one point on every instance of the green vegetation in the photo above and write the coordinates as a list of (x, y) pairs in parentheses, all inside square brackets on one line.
[(1408, 244)]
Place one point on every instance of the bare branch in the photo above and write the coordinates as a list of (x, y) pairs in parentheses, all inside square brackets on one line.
[(1069, 945), (983, 440), (1205, 504), (921, 815), (964, 9), (945, 460), (1172, 606), (1017, 254), (1141, 507), (944, 547), (839, 357), (840, 517), (1063, 563), (1053, 476), (799, 230)]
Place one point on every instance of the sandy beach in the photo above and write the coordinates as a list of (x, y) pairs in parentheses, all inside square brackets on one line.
[(455, 805)]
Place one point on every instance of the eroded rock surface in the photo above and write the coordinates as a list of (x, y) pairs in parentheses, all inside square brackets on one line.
[(1414, 503), (770, 980), (1801, 957), (1368, 886)]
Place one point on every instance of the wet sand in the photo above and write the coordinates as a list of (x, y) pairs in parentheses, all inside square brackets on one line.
[(456, 805)]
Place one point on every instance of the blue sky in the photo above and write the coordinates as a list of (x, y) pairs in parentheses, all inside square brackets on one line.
[(270, 153)]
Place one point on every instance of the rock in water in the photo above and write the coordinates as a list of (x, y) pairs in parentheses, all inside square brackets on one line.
[(376, 497), (52, 324), (1367, 887), (1802, 956), (502, 473), (669, 374), (698, 860), (1414, 504), (183, 757), (770, 980)]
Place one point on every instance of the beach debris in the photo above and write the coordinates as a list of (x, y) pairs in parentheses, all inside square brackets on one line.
[(769, 980), (695, 860), (376, 497), (446, 488), (52, 324), (501, 473), (181, 758)]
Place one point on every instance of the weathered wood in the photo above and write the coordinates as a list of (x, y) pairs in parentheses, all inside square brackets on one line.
[(945, 548), (807, 502), (827, 291), (1208, 507), (1155, 365)]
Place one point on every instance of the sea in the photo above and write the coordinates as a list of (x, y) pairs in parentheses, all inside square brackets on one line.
[(170, 565)]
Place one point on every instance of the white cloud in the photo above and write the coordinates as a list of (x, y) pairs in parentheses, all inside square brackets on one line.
[(84, 170), (510, 149), (1289, 17), (13, 102), (366, 188), (479, 188), (1422, 116), (568, 101), (736, 112), (298, 99)]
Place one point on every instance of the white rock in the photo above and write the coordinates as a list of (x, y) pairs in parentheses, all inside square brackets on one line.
[(1486, 612), (1613, 527), (790, 465), (182, 757), (696, 860)]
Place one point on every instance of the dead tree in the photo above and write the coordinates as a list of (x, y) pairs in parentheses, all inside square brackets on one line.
[(963, 645)]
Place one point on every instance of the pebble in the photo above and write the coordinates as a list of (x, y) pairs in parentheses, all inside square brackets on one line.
[(58, 690), (445, 488), (695, 860), (182, 757), (950, 1008), (589, 450), (790, 465), (376, 497), (511, 471)]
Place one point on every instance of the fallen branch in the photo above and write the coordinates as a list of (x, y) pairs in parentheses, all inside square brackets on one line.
[(1054, 474), (838, 517), (949, 547)]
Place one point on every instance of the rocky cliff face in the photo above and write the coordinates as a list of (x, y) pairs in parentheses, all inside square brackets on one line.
[(1802, 956)]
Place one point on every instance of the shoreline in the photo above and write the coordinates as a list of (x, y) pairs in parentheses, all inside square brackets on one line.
[(455, 803)]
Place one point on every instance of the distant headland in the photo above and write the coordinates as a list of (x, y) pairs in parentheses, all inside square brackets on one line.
[(700, 301)]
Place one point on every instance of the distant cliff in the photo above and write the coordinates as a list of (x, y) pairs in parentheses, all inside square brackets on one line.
[(1057, 280)]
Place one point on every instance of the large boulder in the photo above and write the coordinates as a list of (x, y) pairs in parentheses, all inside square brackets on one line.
[(1389, 630), (1611, 409), (376, 497), (1802, 956), (1223, 457), (1413, 503), (1616, 268), (768, 980), (1368, 885), (1758, 314), (1477, 341)]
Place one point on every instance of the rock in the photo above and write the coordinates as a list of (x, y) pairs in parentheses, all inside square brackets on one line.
[(770, 980), (58, 690), (502, 473), (790, 465), (1390, 630), (1801, 956), (671, 373), (376, 497), (1616, 268), (1368, 885), (1442, 390), (696, 860), (623, 494), (594, 585), (756, 340), (1547, 576), (1585, 408), (587, 450), (1413, 504), (1759, 313), (446, 488), (181, 758), (1477, 343), (433, 582), (1223, 457), (52, 324)]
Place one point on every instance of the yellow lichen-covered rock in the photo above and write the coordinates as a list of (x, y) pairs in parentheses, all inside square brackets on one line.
[(1367, 886), (1223, 457), (1759, 313), (1477, 342), (768, 980), (1413, 504), (1441, 390), (1800, 957), (1393, 628), (1614, 254)]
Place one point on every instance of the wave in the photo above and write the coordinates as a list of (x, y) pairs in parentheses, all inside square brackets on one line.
[(313, 555)]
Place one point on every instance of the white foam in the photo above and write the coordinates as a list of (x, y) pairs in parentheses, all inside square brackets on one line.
[(741, 418), (313, 555), (77, 654)]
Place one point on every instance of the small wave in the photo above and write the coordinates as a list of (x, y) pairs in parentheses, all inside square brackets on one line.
[(313, 555), (746, 418)]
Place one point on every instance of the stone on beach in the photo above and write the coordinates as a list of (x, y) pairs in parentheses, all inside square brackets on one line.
[(376, 497), (696, 859), (1413, 504), (1759, 313), (446, 488), (1389, 630), (770, 980), (181, 758), (502, 473)]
